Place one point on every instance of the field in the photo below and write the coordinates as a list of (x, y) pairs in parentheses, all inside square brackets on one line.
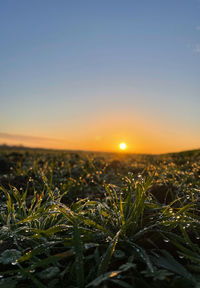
[(80, 219)]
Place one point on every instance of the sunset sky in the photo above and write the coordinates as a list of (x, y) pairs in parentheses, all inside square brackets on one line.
[(89, 75)]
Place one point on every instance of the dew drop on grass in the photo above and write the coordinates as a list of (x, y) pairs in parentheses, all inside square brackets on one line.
[(32, 270), (14, 263), (166, 240)]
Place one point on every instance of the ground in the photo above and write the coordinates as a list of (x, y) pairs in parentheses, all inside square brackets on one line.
[(80, 219)]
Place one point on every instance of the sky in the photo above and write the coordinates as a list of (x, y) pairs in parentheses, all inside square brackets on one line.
[(88, 75)]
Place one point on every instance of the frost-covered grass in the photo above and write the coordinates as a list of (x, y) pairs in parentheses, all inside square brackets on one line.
[(99, 220)]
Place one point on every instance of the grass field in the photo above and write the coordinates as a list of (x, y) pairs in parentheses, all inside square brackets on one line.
[(99, 220)]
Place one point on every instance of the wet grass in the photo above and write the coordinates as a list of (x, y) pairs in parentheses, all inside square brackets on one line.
[(99, 220)]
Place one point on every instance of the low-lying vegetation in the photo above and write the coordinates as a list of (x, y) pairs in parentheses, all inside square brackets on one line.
[(99, 220)]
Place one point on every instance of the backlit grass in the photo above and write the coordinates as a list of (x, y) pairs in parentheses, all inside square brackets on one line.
[(99, 220)]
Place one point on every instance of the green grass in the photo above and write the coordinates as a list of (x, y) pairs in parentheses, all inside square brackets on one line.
[(99, 220)]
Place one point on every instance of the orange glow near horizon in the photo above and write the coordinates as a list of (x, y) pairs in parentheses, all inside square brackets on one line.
[(103, 134), (102, 143)]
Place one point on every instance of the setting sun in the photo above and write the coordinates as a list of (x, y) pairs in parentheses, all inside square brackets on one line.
[(122, 146)]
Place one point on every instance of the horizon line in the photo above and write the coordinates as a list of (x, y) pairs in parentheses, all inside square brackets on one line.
[(21, 146)]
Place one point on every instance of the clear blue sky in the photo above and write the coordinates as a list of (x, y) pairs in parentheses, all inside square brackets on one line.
[(94, 72)]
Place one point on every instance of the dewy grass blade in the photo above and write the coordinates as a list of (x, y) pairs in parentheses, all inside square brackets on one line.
[(29, 275), (121, 210), (92, 223), (78, 248), (103, 266), (168, 262)]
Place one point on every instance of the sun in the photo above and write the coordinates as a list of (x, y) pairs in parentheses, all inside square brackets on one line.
[(122, 146)]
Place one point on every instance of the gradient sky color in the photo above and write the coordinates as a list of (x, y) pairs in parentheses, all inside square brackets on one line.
[(91, 74)]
